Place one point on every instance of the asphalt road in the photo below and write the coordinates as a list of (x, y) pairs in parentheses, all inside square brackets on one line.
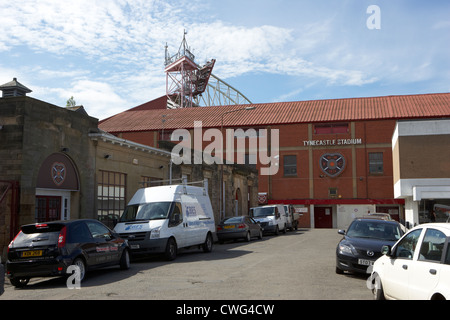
[(299, 265)]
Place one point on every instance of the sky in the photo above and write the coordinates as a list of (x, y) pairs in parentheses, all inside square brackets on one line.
[(109, 54)]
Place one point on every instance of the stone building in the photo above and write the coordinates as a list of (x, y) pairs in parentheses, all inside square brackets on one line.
[(55, 163)]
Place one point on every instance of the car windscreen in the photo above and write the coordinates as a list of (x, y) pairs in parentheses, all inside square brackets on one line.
[(146, 211), (374, 230), (38, 234), (263, 212), (232, 220)]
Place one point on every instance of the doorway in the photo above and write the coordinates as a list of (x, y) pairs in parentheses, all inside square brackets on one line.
[(323, 217), (48, 208)]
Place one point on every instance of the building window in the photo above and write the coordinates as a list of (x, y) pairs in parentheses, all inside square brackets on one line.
[(111, 193), (290, 166), (376, 162), (150, 182), (250, 160), (332, 193), (48, 208), (331, 128)]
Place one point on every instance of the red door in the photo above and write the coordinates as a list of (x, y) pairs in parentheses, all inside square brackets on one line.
[(323, 217), (48, 208)]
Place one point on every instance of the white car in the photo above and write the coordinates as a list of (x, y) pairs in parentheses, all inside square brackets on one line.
[(417, 267)]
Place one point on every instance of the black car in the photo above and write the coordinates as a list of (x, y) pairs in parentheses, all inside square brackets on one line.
[(49, 248), (362, 243), (241, 227)]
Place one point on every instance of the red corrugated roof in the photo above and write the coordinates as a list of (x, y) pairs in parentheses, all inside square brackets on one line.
[(146, 118)]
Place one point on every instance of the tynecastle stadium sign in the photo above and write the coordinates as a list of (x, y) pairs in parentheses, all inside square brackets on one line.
[(331, 142)]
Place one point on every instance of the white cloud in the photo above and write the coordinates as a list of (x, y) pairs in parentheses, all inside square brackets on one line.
[(111, 53), (99, 99)]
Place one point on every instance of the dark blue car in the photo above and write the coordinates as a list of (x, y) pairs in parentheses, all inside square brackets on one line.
[(49, 248), (362, 243)]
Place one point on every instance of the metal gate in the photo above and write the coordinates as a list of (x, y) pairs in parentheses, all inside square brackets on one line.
[(9, 209)]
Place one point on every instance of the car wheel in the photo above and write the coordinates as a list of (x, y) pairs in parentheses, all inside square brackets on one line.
[(208, 245), (19, 282), (248, 238), (171, 249), (339, 271), (80, 264), (125, 260), (377, 288), (260, 236)]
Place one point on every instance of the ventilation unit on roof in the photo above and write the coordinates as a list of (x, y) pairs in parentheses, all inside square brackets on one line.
[(14, 89)]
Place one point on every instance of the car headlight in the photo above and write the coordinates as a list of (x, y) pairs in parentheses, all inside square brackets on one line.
[(154, 234), (347, 249)]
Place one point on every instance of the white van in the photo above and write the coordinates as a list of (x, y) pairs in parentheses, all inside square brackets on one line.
[(166, 218), (272, 218), (291, 216)]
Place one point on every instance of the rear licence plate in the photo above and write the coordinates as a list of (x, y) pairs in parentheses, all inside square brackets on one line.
[(365, 262), (231, 226), (33, 253)]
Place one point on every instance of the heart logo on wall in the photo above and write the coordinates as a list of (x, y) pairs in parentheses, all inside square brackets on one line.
[(332, 164)]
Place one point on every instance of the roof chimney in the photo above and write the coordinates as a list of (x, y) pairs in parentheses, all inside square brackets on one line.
[(14, 89)]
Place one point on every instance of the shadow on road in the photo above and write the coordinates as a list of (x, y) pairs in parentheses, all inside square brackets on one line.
[(98, 277)]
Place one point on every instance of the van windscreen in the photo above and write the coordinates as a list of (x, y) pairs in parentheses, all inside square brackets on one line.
[(146, 211), (263, 212)]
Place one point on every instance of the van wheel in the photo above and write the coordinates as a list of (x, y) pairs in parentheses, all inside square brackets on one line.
[(208, 245), (277, 231), (171, 249), (285, 229)]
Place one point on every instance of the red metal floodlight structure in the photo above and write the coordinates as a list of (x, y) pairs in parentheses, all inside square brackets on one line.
[(190, 85), (185, 80)]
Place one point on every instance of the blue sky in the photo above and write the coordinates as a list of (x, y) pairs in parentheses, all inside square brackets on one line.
[(109, 55)]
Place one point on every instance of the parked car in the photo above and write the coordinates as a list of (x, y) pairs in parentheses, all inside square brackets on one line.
[(377, 215), (417, 267), (362, 243), (242, 227), (49, 248), (271, 217)]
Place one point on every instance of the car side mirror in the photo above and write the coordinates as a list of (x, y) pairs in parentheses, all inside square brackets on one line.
[(386, 250), (341, 232)]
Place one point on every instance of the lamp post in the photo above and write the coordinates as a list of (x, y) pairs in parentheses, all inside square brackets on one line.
[(221, 197)]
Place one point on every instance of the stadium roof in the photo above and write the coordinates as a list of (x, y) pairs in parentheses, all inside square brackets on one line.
[(154, 116)]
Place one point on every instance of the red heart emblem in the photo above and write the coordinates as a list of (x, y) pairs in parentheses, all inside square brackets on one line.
[(332, 164)]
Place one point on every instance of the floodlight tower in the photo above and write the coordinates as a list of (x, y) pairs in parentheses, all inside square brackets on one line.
[(185, 80), (190, 85)]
